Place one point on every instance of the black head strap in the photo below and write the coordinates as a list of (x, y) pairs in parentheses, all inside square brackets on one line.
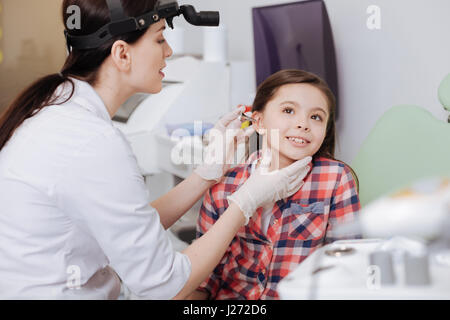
[(122, 24), (116, 10)]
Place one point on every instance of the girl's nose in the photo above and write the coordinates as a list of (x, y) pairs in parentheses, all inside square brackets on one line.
[(304, 128)]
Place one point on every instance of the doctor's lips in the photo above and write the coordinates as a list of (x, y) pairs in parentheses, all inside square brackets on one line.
[(161, 71)]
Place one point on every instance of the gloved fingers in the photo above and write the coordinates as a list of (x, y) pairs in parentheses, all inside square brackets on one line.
[(294, 188), (225, 121), (243, 134), (234, 138), (295, 181), (234, 124), (297, 166), (300, 174), (249, 131)]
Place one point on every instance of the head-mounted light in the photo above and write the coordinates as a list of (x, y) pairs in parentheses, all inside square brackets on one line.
[(121, 23)]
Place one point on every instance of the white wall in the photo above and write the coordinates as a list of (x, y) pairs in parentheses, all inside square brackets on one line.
[(403, 63)]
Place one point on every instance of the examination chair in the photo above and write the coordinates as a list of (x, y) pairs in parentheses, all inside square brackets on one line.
[(407, 144)]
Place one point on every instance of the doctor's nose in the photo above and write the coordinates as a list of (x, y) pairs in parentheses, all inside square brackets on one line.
[(168, 52)]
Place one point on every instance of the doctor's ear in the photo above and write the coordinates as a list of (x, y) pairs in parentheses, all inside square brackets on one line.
[(258, 125), (121, 55)]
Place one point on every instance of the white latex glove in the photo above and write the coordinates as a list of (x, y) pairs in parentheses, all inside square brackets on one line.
[(264, 187), (223, 141)]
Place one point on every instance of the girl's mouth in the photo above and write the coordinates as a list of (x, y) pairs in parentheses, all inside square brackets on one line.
[(298, 142)]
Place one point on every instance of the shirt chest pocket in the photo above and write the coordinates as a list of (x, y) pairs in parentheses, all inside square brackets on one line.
[(307, 222)]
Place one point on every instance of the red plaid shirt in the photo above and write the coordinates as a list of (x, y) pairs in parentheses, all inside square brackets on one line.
[(255, 262)]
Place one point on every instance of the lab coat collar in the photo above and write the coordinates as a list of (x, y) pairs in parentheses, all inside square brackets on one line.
[(86, 97)]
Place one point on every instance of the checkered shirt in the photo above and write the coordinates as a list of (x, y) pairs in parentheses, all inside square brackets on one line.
[(255, 262)]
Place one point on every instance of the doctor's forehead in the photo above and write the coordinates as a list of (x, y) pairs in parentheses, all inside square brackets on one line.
[(158, 27)]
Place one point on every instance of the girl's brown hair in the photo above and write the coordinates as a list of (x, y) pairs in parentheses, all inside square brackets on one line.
[(80, 64), (267, 90)]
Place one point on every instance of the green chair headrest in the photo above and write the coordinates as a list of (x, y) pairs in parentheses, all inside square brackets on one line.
[(444, 92)]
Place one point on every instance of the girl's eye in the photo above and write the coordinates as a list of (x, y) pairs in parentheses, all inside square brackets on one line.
[(162, 41), (288, 110), (316, 117)]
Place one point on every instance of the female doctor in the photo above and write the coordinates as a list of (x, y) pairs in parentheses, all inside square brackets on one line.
[(75, 214)]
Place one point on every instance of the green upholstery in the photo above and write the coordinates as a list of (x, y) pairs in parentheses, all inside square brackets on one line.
[(444, 93), (407, 144)]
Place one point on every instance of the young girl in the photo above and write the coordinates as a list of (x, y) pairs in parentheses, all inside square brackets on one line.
[(300, 108)]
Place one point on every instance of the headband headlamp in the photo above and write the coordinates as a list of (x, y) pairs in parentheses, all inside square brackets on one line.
[(121, 23)]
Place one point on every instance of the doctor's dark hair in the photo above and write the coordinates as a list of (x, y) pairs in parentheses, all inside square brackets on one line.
[(80, 64), (267, 90)]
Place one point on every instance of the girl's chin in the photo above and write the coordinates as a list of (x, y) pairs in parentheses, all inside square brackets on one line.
[(294, 156), (288, 157)]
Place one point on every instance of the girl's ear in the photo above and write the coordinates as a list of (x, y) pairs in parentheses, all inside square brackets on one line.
[(258, 116)]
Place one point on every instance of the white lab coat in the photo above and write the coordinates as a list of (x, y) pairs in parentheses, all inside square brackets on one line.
[(72, 203)]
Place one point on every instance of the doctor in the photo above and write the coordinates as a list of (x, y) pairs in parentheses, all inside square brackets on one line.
[(75, 213)]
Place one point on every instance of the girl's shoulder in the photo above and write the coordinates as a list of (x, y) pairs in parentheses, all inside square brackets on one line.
[(324, 163), (331, 167)]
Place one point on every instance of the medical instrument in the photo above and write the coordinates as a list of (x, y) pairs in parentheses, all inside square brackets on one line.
[(402, 260), (339, 252), (247, 120), (121, 23), (356, 277)]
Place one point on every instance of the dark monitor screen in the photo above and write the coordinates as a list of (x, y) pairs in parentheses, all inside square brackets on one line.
[(294, 36)]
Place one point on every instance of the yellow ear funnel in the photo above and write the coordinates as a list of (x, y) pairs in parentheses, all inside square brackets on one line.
[(245, 125)]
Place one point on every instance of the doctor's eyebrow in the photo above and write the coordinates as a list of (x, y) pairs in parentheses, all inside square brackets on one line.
[(297, 105)]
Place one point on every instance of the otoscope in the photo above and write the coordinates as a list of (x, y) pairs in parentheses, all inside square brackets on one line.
[(121, 23)]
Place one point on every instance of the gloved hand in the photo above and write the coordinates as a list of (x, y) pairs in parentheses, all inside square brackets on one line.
[(264, 187), (223, 141)]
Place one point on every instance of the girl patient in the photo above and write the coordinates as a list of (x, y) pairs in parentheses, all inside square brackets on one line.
[(294, 111)]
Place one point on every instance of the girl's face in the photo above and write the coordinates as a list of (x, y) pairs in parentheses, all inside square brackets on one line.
[(299, 113), (149, 58)]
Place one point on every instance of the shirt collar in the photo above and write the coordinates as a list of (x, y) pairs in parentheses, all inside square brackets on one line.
[(86, 97)]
